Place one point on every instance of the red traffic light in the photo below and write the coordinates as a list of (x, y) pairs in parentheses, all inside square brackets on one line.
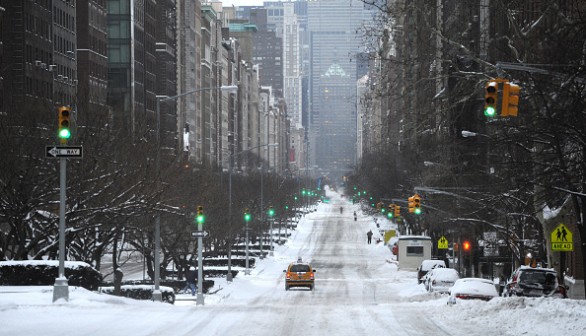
[(466, 245)]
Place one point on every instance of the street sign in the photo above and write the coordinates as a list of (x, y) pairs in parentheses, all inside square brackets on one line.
[(562, 239), (199, 234), (64, 151), (442, 243)]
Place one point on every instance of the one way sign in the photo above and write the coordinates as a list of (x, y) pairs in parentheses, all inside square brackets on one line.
[(64, 151)]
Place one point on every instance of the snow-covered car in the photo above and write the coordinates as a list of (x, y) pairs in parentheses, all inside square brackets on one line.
[(472, 289), (533, 282), (440, 280), (426, 266)]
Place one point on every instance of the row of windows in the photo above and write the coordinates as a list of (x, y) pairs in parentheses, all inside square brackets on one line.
[(98, 45), (38, 88), (97, 70), (33, 54), (275, 12), (37, 25), (44, 3), (98, 17), (63, 18), (63, 45)]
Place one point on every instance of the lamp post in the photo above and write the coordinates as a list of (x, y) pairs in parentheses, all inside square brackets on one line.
[(229, 275), (157, 295)]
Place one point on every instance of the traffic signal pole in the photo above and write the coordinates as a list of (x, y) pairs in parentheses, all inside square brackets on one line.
[(200, 299), (61, 286)]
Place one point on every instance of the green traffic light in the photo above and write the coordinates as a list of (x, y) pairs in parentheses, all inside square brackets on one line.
[(390, 215), (489, 111), (200, 219), (271, 212), (417, 211), (64, 133), (247, 217)]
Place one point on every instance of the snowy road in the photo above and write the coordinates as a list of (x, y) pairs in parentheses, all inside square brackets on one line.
[(355, 289), (357, 292)]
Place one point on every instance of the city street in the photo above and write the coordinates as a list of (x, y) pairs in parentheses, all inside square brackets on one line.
[(357, 292)]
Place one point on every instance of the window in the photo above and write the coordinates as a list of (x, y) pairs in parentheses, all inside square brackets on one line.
[(415, 251), (299, 268)]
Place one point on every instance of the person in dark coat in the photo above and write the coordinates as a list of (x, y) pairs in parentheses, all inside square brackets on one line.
[(190, 279), (369, 236)]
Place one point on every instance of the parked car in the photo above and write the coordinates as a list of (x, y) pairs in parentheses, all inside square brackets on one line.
[(440, 279), (472, 289), (299, 274), (426, 266), (534, 282)]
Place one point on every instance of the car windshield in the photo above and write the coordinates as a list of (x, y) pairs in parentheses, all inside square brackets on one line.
[(300, 268), (535, 277)]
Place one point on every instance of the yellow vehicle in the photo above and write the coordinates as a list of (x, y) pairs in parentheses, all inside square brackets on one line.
[(299, 274)]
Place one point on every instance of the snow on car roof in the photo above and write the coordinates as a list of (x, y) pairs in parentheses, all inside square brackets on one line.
[(444, 273), (476, 286), (429, 263)]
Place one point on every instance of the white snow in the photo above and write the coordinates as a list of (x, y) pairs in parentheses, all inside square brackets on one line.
[(387, 290)]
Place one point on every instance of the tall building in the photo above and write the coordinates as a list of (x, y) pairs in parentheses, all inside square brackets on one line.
[(188, 72), (131, 64), (166, 74), (39, 68), (292, 63), (267, 52), (92, 61), (334, 45)]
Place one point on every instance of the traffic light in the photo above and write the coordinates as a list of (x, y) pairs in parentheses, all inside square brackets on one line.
[(466, 246), (391, 212), (411, 204), (247, 216), (417, 204), (397, 211), (64, 123), (271, 211), (490, 99), (510, 106), (200, 216)]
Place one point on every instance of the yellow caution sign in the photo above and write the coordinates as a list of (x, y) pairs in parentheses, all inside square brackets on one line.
[(442, 243), (562, 239), (389, 234)]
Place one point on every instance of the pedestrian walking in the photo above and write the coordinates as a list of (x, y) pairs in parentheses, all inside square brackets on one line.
[(190, 280), (369, 236)]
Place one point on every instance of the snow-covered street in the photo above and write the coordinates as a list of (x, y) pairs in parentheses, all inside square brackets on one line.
[(357, 292)]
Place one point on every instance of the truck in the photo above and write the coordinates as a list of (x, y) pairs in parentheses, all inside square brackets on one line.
[(412, 250)]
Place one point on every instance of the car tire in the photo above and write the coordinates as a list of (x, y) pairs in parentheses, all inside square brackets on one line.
[(286, 287), (311, 287)]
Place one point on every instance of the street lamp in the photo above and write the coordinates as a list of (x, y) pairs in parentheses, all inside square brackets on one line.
[(229, 275), (157, 295)]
